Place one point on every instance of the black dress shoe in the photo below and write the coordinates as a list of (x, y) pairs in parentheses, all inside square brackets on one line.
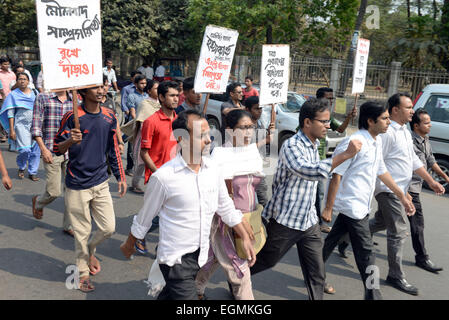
[(429, 266), (403, 285)]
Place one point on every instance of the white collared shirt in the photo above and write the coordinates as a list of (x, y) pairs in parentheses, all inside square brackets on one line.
[(358, 175), (399, 157), (186, 203)]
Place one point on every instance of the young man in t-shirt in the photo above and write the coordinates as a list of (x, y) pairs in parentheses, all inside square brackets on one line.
[(91, 148), (249, 91)]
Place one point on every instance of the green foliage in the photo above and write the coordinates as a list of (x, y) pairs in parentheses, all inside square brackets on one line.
[(18, 23), (132, 26)]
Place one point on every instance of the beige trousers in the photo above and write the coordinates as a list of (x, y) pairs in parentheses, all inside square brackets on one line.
[(241, 288), (81, 205), (54, 173)]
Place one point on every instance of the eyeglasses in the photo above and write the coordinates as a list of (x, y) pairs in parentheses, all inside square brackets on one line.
[(253, 127), (323, 121)]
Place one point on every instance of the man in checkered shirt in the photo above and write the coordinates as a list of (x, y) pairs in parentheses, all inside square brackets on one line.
[(49, 108), (291, 214)]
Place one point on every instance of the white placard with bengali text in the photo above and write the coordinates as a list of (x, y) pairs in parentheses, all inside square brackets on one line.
[(360, 66), (274, 74), (70, 43), (214, 64)]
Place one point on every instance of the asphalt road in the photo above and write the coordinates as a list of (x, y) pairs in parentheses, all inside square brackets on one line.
[(35, 255)]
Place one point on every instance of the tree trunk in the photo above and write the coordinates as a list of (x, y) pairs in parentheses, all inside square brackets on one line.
[(351, 53), (269, 34), (418, 2)]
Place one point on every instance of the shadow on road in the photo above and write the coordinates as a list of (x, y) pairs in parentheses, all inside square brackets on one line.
[(32, 265)]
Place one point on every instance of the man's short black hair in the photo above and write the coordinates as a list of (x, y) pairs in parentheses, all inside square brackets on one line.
[(416, 118), (251, 101), (139, 78), (321, 92), (250, 78), (164, 86), (107, 60), (370, 110), (135, 73), (3, 59), (188, 83), (232, 86), (182, 121), (310, 108), (395, 100)]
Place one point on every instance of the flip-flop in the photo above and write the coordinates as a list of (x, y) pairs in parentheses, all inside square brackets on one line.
[(329, 289), (37, 213), (86, 285), (69, 232), (21, 174), (142, 243)]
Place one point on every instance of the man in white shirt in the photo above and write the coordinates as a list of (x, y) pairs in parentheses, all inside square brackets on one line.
[(401, 161), (160, 72), (351, 189), (186, 192), (147, 71), (110, 73)]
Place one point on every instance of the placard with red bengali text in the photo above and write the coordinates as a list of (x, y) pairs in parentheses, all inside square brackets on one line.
[(70, 43), (214, 64), (274, 74)]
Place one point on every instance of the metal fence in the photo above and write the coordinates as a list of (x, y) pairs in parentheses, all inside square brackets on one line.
[(307, 74)]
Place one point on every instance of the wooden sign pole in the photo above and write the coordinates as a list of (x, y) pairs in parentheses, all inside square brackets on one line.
[(273, 114), (355, 105), (205, 104), (75, 108)]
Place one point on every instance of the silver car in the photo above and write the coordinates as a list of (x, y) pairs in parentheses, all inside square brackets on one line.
[(435, 100), (287, 118)]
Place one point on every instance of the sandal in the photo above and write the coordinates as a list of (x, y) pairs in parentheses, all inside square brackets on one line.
[(329, 289), (137, 190), (86, 285), (33, 177), (141, 243), (69, 232), (21, 174)]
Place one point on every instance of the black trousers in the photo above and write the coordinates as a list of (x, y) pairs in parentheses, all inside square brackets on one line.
[(417, 229), (362, 245), (129, 152), (180, 279), (309, 245), (318, 202)]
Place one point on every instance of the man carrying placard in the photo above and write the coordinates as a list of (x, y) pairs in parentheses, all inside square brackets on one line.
[(91, 148)]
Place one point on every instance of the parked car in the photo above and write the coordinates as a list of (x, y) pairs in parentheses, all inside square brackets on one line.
[(287, 118), (434, 99)]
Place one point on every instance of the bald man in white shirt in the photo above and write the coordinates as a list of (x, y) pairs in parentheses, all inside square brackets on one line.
[(186, 192), (401, 161)]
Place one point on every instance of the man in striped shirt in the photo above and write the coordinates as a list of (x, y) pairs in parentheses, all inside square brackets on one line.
[(291, 211), (49, 108)]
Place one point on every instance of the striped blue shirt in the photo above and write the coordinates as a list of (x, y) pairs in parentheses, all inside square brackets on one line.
[(295, 183)]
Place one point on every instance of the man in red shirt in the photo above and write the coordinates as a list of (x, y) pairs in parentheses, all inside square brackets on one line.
[(158, 144), (249, 91)]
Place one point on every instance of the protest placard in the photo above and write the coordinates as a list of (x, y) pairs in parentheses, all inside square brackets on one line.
[(360, 66), (214, 64), (274, 76), (70, 43)]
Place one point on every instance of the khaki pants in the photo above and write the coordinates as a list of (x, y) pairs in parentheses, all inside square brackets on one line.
[(53, 188), (79, 204)]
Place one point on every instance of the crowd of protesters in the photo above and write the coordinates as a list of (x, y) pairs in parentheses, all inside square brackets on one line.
[(210, 200)]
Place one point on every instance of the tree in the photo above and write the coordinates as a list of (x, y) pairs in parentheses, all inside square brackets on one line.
[(18, 23), (132, 26)]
